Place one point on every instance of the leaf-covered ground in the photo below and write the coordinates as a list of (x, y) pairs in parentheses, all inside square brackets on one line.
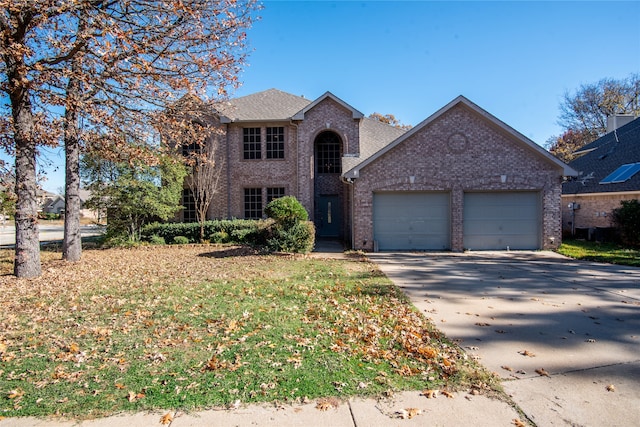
[(196, 327)]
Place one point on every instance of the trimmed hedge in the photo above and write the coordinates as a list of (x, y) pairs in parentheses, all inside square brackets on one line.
[(287, 231), (240, 231)]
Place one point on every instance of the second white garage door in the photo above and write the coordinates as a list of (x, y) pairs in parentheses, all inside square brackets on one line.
[(501, 220), (411, 220)]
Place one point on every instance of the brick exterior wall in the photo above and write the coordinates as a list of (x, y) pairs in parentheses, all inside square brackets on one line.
[(459, 152), (296, 172), (595, 209)]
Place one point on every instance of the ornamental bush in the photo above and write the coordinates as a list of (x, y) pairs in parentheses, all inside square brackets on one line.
[(286, 210), (290, 230), (626, 218)]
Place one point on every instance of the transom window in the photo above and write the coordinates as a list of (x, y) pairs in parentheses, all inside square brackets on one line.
[(189, 203), (253, 203), (252, 146), (328, 153), (275, 142), (274, 193)]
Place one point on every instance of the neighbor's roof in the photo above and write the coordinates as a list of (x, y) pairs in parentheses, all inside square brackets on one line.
[(268, 105), (461, 100), (602, 157)]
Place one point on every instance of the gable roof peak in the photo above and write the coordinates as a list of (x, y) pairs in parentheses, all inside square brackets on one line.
[(460, 99), (355, 114)]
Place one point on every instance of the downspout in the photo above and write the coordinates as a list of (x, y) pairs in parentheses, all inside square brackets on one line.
[(297, 159), (350, 182)]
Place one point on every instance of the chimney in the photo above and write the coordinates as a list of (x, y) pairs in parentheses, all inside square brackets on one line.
[(618, 120)]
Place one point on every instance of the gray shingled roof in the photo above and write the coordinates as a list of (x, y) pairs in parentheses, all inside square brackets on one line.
[(603, 156), (374, 135), (275, 105), (271, 104)]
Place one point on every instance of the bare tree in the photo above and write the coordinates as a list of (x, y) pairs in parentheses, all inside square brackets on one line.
[(112, 65), (583, 113)]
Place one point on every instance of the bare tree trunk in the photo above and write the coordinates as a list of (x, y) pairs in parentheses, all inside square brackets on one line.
[(72, 241), (27, 263)]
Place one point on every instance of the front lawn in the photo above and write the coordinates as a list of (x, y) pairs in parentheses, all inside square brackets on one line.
[(600, 252), (193, 327)]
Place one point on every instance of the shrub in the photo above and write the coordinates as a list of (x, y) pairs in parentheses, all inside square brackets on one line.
[(219, 237), (300, 237), (286, 210), (627, 220), (180, 240), (289, 229), (157, 240)]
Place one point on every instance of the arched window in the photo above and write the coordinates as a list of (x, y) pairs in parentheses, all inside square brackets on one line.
[(328, 153)]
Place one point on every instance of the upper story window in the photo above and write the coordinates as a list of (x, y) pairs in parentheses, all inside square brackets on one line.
[(328, 153), (275, 142), (194, 148), (252, 147)]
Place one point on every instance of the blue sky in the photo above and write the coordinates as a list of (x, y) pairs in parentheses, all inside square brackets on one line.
[(514, 59)]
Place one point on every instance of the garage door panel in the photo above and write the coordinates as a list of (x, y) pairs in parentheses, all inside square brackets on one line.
[(411, 221), (502, 219)]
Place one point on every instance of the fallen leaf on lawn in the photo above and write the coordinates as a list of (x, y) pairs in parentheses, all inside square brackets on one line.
[(527, 353), (408, 413), (131, 396), (447, 394), (542, 372), (326, 404), (482, 324), (3, 347), (611, 387), (166, 418), (119, 386), (518, 423), (14, 394), (430, 394), (507, 368)]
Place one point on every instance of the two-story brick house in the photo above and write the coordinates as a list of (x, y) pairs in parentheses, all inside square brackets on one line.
[(461, 179)]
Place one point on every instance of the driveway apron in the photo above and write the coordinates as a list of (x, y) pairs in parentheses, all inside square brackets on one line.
[(563, 335)]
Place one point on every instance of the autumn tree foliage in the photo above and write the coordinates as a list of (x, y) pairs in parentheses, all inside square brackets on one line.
[(565, 145), (583, 113), (94, 74), (389, 119)]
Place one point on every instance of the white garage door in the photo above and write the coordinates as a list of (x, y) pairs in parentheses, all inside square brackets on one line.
[(497, 221), (411, 221)]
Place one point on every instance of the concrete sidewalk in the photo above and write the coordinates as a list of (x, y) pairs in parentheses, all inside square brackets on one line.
[(462, 410)]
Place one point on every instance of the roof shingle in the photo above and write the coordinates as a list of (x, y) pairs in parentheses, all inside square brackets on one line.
[(603, 156)]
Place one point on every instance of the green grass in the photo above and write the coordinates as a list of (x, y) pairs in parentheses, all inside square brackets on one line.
[(193, 327), (600, 252)]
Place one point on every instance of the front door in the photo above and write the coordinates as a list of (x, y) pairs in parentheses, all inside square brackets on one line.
[(329, 218)]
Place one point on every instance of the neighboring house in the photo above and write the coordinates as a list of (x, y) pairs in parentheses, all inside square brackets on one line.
[(54, 203), (608, 173), (459, 180)]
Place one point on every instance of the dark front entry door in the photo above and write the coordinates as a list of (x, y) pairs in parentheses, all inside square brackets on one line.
[(329, 220)]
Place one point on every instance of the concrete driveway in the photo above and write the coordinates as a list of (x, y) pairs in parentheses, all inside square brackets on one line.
[(576, 323)]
